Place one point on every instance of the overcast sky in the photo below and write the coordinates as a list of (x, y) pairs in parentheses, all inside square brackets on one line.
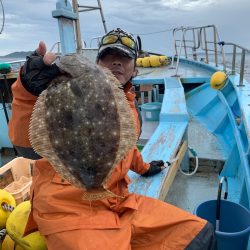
[(29, 21)]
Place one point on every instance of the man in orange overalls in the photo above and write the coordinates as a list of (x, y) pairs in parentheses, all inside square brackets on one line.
[(127, 221)]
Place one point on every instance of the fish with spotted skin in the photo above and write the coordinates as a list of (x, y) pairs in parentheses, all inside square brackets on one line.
[(82, 123)]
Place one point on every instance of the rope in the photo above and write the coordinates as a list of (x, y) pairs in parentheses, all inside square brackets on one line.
[(151, 33), (2, 234), (196, 163), (7, 207)]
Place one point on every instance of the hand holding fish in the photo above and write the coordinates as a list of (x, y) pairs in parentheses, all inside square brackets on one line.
[(39, 70)]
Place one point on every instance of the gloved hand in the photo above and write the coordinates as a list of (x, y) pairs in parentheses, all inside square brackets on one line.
[(38, 70), (155, 167)]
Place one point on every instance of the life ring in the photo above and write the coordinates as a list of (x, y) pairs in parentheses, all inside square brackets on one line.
[(6, 199)]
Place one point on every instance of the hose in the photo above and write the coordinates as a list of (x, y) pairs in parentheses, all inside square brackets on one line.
[(196, 163)]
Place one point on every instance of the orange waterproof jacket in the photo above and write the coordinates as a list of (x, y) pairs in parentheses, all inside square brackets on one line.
[(70, 222), (22, 106), (130, 222)]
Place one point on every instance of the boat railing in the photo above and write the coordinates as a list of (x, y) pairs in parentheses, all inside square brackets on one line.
[(205, 42), (241, 51), (196, 40)]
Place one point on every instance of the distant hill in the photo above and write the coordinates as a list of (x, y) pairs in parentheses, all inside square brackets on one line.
[(20, 54)]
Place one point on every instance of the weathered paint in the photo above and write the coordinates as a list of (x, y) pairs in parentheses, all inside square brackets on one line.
[(167, 138), (65, 17)]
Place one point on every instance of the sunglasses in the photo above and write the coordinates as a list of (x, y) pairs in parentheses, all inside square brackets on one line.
[(125, 40)]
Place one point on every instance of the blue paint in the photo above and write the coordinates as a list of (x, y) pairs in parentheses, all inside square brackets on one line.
[(174, 103), (166, 139), (218, 110), (4, 138), (65, 17)]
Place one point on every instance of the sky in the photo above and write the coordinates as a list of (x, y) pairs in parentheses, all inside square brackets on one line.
[(29, 21)]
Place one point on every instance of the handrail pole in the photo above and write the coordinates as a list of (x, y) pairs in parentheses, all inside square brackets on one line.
[(215, 47), (185, 48), (194, 47), (234, 60), (178, 57), (205, 41), (242, 67), (175, 47)]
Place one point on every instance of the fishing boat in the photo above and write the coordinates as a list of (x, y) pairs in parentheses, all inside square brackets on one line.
[(195, 106)]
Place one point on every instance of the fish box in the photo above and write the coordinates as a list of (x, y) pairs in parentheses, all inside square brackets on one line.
[(15, 177)]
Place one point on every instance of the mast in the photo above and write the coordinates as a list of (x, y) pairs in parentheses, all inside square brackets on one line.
[(77, 27), (69, 24)]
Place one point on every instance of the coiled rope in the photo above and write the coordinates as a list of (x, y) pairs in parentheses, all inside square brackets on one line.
[(7, 207)]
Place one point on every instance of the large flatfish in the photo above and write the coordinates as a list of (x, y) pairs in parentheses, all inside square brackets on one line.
[(82, 123)]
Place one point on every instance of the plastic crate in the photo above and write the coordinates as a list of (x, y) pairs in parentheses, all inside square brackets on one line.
[(15, 177)]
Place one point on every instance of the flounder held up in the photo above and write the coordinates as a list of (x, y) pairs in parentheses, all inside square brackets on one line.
[(82, 123)]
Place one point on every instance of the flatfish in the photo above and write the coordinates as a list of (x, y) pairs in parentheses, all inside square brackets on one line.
[(82, 123)]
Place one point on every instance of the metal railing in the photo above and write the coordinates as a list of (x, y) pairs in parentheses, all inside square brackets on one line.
[(206, 41), (242, 53)]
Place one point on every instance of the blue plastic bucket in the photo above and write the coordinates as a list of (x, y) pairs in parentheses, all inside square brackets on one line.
[(151, 111), (234, 227)]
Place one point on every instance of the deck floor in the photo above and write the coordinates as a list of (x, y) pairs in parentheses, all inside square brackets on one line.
[(187, 192)]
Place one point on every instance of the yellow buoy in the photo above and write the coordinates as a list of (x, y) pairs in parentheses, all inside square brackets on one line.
[(15, 227), (164, 60), (139, 62), (5, 199), (154, 61), (18, 247), (146, 62), (8, 243), (218, 80)]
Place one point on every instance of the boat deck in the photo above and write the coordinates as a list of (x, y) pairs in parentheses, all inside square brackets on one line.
[(205, 182), (187, 192), (184, 70), (211, 158)]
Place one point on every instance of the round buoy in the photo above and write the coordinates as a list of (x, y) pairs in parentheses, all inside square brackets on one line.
[(8, 243), (154, 61), (146, 62), (15, 227), (164, 60), (6, 199), (139, 62), (218, 80)]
